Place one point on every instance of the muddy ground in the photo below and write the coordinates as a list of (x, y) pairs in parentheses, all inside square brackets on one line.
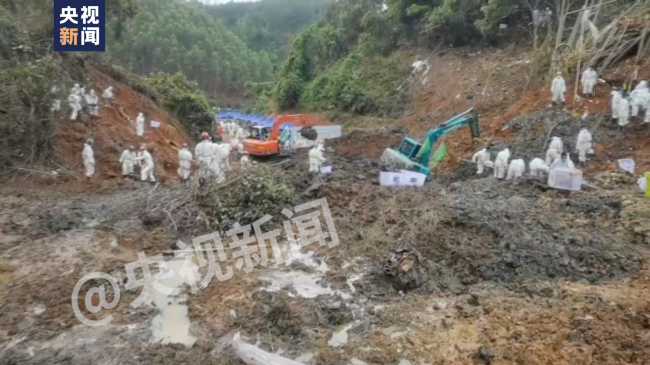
[(516, 273)]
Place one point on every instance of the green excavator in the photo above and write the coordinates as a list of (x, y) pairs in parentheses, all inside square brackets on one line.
[(413, 155)]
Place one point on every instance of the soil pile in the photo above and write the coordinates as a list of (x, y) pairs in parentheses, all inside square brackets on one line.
[(114, 130)]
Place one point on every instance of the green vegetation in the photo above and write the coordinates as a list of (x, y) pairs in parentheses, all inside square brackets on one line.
[(348, 62), (29, 69), (183, 98), (172, 36), (269, 25)]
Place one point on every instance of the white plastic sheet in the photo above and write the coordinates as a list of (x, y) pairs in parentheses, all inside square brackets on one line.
[(252, 355)]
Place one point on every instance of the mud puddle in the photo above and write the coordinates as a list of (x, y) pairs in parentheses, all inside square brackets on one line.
[(304, 284), (172, 323)]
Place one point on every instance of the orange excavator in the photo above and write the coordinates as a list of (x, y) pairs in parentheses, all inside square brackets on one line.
[(265, 141)]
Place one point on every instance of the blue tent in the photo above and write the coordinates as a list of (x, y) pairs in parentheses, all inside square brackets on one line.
[(251, 119)]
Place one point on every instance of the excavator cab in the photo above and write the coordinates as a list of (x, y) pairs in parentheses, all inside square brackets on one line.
[(410, 148), (265, 141), (259, 133)]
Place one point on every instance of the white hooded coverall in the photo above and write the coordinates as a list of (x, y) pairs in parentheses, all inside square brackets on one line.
[(481, 157), (537, 166), (501, 164), (146, 173), (204, 154), (316, 159), (128, 161), (91, 101), (616, 103), (88, 156), (558, 88), (245, 163), (74, 100), (239, 135), (583, 145), (516, 169), (184, 163), (589, 79), (108, 95), (222, 155), (640, 96), (556, 143), (623, 112), (551, 155), (139, 125), (56, 103)]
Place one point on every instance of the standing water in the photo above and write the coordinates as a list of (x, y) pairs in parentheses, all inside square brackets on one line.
[(172, 324)]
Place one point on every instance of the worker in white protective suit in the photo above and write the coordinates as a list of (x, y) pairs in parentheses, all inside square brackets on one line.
[(75, 89), (226, 150), (146, 172), (56, 103), (589, 80), (624, 112), (558, 88), (219, 155), (127, 159), (563, 162), (537, 167), (108, 95), (203, 153), (516, 169), (74, 101), (245, 162), (92, 102), (583, 145), (640, 96), (139, 125), (239, 134), (481, 158), (551, 155), (616, 102), (501, 164), (316, 158), (556, 143), (88, 156), (642, 183), (184, 163)]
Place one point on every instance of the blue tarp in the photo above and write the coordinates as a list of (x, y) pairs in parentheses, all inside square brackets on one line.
[(251, 119)]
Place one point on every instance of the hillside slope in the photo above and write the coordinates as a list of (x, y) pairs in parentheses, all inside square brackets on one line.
[(114, 130)]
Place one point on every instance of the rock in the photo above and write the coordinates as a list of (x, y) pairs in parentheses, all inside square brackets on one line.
[(439, 305), (113, 243), (485, 354), (473, 300), (150, 219)]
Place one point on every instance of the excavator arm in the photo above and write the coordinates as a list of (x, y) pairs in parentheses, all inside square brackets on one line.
[(412, 155), (299, 120), (467, 118)]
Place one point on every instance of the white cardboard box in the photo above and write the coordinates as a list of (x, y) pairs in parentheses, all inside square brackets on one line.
[(626, 165), (565, 179), (412, 178), (390, 178)]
